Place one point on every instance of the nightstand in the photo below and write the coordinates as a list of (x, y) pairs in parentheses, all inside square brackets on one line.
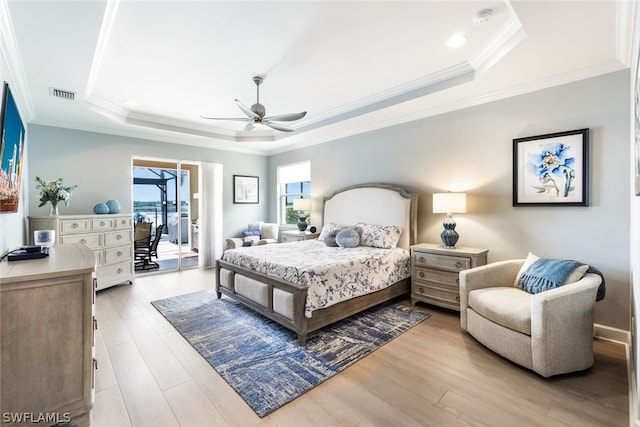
[(296, 236), (434, 272)]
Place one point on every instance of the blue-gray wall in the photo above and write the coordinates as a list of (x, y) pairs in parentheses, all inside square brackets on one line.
[(471, 150)]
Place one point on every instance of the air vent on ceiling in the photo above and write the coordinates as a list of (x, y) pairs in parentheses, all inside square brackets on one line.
[(60, 93)]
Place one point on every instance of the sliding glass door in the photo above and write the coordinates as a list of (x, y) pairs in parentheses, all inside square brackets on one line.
[(165, 194)]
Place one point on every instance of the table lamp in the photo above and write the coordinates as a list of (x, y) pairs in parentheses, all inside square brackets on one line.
[(449, 203), (302, 205)]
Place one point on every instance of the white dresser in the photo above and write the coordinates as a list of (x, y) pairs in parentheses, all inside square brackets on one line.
[(110, 237)]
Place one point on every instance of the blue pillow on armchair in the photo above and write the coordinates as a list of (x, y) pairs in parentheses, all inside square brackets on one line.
[(250, 237)]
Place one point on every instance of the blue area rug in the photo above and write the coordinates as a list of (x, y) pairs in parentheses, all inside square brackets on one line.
[(262, 360)]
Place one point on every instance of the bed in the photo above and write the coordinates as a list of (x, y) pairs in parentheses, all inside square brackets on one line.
[(284, 288)]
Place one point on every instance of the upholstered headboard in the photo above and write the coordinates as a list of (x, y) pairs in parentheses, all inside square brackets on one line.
[(378, 204)]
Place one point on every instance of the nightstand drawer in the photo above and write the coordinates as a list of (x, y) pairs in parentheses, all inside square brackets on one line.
[(445, 262), (437, 292), (436, 276)]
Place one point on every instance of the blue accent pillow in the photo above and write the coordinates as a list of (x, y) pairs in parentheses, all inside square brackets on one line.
[(251, 233), (348, 238)]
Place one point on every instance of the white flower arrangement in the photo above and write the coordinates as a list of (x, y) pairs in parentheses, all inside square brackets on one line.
[(53, 191)]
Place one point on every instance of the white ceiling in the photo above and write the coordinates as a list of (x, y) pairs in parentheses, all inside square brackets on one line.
[(354, 66)]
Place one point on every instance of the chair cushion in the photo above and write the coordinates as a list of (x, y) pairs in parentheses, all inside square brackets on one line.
[(507, 306)]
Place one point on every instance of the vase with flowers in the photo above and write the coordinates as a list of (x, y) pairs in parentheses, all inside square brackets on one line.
[(53, 192)]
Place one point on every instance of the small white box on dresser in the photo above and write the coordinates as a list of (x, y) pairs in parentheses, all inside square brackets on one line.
[(110, 237)]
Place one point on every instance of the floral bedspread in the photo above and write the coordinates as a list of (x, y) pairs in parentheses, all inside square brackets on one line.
[(332, 274)]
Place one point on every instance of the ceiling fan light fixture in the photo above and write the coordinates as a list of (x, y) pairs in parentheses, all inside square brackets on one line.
[(256, 114)]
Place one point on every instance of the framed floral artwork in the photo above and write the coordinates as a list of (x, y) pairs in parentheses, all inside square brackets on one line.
[(245, 189), (551, 170)]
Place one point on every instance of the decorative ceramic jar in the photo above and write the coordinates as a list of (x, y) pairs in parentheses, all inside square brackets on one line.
[(101, 208), (114, 206)]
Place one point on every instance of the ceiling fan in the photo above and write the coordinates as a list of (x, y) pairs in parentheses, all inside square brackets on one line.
[(256, 114)]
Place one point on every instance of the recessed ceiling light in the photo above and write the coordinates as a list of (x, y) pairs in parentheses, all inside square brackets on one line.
[(457, 40), (131, 103)]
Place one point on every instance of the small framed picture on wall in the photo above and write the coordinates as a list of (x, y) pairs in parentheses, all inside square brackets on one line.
[(245, 189)]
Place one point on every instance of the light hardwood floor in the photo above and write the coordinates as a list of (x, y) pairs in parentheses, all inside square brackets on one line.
[(433, 375)]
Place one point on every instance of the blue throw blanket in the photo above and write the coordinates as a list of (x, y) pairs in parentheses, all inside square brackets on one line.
[(545, 274)]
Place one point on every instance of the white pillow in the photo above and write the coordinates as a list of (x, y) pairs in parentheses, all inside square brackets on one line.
[(575, 275), (327, 229), (379, 236), (531, 258)]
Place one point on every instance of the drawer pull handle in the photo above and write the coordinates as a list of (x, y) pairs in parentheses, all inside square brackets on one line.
[(119, 270), (421, 259), (458, 281), (119, 236), (75, 225), (119, 253), (102, 223), (458, 264), (421, 274), (83, 241)]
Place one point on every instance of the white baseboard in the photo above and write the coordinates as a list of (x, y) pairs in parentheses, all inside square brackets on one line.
[(612, 334), (623, 337)]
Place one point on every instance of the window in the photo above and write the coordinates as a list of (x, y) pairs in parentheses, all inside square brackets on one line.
[(294, 181)]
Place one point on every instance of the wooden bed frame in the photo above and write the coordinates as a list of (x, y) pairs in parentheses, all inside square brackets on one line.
[(284, 302)]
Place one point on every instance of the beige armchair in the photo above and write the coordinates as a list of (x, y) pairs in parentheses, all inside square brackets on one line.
[(550, 332), (268, 234)]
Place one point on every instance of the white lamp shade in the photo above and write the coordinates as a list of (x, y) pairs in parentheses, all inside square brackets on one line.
[(449, 203), (301, 204)]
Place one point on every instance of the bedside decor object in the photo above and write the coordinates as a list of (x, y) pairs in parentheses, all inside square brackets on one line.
[(245, 189), (302, 205), (312, 229), (44, 237), (551, 170), (101, 209), (114, 206), (449, 203), (53, 192)]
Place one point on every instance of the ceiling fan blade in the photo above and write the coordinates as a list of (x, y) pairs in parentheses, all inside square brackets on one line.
[(287, 117), (242, 119), (249, 127), (277, 126), (247, 110)]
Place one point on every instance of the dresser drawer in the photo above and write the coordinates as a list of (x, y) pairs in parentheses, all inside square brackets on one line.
[(115, 273), (437, 276), (445, 262), (123, 223), (74, 226), (117, 238), (90, 240), (101, 224), (119, 254)]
